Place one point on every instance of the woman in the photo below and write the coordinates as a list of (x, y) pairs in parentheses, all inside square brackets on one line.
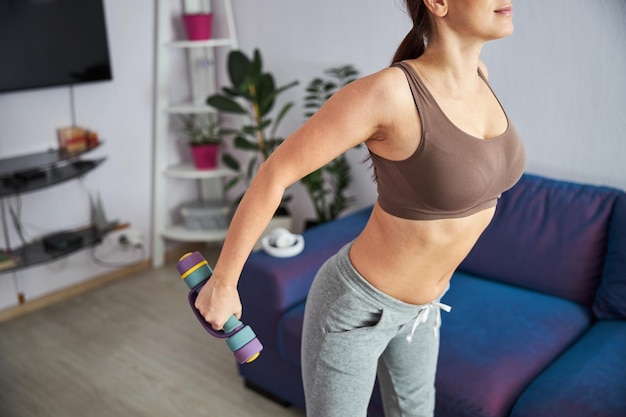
[(443, 151)]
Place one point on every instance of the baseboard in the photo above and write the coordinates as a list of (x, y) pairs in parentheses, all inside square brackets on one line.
[(64, 294)]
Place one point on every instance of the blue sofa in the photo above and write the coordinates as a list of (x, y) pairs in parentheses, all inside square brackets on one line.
[(538, 321)]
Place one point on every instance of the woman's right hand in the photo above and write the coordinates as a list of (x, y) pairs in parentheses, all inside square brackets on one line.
[(217, 302)]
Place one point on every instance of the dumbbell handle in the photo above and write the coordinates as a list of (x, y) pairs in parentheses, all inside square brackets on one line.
[(231, 326)]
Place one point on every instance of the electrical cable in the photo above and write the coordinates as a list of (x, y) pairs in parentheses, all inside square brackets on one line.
[(17, 222)]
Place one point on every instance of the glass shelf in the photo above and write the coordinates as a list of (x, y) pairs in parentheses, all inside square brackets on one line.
[(25, 181), (30, 172), (36, 252), (38, 160)]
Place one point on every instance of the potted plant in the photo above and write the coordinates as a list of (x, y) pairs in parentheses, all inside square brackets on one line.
[(327, 186), (258, 133), (204, 135)]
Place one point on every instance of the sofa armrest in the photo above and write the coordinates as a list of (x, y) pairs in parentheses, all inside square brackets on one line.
[(269, 286)]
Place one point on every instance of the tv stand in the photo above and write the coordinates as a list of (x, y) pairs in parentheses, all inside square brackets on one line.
[(36, 171)]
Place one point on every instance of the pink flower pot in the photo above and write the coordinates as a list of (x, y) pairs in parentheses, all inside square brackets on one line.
[(198, 26), (205, 156)]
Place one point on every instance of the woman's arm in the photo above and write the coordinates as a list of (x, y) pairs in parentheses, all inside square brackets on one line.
[(352, 115)]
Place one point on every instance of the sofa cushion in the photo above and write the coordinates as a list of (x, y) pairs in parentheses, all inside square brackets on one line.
[(495, 341), (611, 296), (549, 236), (587, 380)]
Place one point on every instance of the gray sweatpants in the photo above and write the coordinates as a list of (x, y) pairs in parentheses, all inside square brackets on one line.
[(352, 333)]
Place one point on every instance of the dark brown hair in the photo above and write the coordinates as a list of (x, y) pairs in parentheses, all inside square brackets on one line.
[(414, 42)]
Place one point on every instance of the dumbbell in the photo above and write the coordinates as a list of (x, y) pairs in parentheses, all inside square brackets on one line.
[(240, 338)]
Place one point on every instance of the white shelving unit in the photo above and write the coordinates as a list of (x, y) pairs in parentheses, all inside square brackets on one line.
[(169, 169)]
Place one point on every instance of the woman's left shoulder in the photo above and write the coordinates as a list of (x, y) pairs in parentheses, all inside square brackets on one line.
[(385, 87)]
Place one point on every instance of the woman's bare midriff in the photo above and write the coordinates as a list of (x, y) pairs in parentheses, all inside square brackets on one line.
[(413, 260)]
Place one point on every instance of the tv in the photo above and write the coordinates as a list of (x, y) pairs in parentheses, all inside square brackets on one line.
[(45, 43)]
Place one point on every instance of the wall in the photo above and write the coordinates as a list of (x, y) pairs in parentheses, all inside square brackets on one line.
[(560, 76), (121, 112)]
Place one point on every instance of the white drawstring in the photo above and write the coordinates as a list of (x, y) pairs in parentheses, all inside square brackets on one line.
[(422, 317)]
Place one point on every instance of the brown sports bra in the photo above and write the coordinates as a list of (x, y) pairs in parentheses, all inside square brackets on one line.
[(451, 174)]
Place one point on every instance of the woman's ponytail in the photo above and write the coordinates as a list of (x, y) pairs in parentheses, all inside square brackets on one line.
[(414, 43)]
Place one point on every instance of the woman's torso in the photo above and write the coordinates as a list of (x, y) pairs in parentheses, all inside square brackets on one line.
[(412, 257), (413, 260)]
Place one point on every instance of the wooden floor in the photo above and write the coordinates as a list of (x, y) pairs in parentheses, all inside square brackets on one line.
[(129, 349)]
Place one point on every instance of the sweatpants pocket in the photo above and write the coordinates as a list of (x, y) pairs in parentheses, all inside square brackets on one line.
[(348, 313)]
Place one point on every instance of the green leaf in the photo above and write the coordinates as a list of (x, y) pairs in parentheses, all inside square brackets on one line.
[(280, 117), (265, 123), (286, 87), (225, 104), (314, 180), (238, 67), (231, 183), (271, 94), (250, 129), (229, 131), (314, 85), (330, 86), (251, 168), (266, 92), (257, 65), (230, 162), (244, 144), (231, 92)]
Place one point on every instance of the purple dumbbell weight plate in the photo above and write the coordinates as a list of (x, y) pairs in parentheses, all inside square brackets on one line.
[(248, 351), (189, 262)]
